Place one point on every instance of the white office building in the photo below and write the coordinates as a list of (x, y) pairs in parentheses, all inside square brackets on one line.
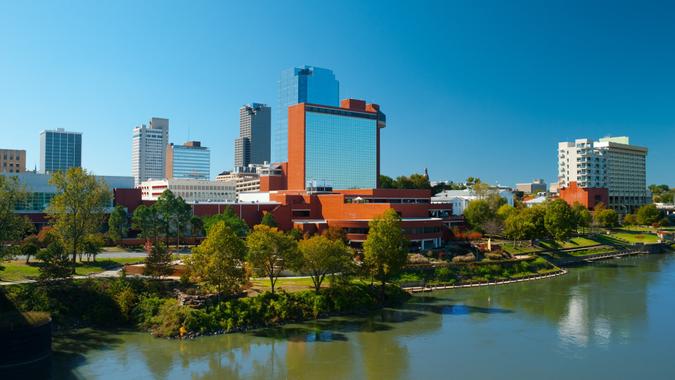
[(148, 151), (191, 190), (460, 198)]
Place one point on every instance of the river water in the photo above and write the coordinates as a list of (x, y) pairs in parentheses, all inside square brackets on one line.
[(614, 319)]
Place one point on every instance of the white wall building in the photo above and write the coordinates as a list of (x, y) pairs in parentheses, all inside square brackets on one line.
[(148, 150), (460, 198), (191, 190), (610, 163)]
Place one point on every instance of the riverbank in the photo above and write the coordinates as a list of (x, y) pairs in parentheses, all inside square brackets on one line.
[(489, 283)]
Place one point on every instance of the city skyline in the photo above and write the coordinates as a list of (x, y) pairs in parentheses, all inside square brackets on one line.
[(456, 109)]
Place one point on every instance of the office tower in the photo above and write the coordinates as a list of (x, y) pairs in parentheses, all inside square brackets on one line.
[(611, 165), (336, 147), (190, 160), (253, 144), (12, 161), (148, 150), (301, 85), (60, 150)]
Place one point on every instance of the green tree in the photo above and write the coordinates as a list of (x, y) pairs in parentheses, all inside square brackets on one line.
[(56, 263), (92, 246), (386, 247), (504, 211), (268, 220), (148, 220), (12, 225), (322, 256), (219, 260), (30, 246), (234, 222), (648, 215), (196, 226), (271, 251), (559, 220), (386, 182), (582, 216), (175, 214), (536, 215), (478, 212), (607, 218), (78, 207), (158, 262), (630, 220), (517, 226), (117, 224), (336, 233)]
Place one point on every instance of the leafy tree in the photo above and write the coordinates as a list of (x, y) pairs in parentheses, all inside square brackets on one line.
[(495, 201), (517, 226), (322, 256), (296, 234), (158, 262), (607, 218), (559, 220), (478, 212), (231, 219), (535, 215), (630, 220), (386, 247), (219, 260), (504, 211), (12, 225), (336, 233), (271, 251), (56, 262), (148, 220), (648, 215), (92, 246), (78, 207), (268, 220), (386, 182), (582, 216), (175, 214), (196, 226), (117, 224), (30, 246)]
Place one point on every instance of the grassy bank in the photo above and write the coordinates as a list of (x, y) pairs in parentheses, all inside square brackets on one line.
[(19, 270)]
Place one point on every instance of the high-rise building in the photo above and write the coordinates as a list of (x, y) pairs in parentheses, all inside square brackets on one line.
[(609, 170), (12, 161), (336, 147), (253, 144), (148, 150), (60, 150), (190, 160), (301, 85)]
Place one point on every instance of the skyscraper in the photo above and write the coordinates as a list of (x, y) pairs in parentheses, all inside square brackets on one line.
[(336, 147), (148, 150), (301, 85), (60, 150), (253, 144), (190, 160)]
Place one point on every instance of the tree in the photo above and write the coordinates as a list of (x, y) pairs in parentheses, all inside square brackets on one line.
[(196, 226), (30, 246), (296, 234), (607, 218), (504, 211), (336, 233), (582, 216), (219, 260), (117, 224), (559, 220), (148, 221), (56, 263), (12, 225), (231, 219), (535, 215), (478, 212), (386, 247), (92, 246), (271, 251), (386, 182), (158, 262), (322, 256), (268, 220), (78, 207), (517, 226), (175, 214), (495, 201), (648, 215), (630, 220)]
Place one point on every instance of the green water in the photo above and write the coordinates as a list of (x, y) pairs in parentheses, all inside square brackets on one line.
[(614, 319)]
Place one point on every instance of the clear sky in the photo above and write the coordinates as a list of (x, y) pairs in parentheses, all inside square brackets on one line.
[(475, 88)]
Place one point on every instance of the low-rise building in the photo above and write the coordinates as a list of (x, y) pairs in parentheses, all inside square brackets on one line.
[(191, 190), (12, 160), (534, 187), (248, 177), (460, 199)]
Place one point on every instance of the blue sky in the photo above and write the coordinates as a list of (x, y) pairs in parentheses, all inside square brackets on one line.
[(475, 88)]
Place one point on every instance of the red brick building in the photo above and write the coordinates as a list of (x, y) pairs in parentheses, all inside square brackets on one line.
[(589, 197)]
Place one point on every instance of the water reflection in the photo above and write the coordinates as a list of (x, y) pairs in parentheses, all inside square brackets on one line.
[(592, 308)]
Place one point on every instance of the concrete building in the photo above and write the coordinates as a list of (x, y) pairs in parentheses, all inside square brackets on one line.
[(190, 160), (588, 170), (247, 178), (338, 146), (12, 161), (534, 187), (308, 84), (148, 150), (253, 144), (459, 199), (60, 150), (191, 190)]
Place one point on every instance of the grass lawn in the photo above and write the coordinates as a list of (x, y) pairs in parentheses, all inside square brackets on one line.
[(634, 236), (592, 251), (521, 249), (575, 242), (18, 270), (288, 284)]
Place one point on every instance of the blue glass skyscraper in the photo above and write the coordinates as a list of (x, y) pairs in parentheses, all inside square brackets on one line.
[(301, 85)]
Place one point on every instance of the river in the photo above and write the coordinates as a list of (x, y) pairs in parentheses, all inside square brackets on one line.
[(613, 319)]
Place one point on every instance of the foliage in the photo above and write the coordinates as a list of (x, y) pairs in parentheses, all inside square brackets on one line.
[(559, 220), (322, 256), (270, 251), (30, 246), (386, 247), (56, 264), (630, 220), (296, 234), (12, 225), (158, 262), (648, 215), (504, 211), (117, 224), (92, 245), (234, 222), (477, 213), (518, 227), (662, 193), (607, 218), (268, 220), (219, 260), (174, 212), (414, 181), (78, 207), (582, 216), (148, 220), (196, 226)]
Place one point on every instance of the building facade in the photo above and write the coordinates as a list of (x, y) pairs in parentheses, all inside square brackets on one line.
[(336, 146), (460, 199), (253, 144), (534, 187), (60, 150), (191, 190), (148, 150), (610, 163), (12, 161), (190, 160), (308, 84)]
